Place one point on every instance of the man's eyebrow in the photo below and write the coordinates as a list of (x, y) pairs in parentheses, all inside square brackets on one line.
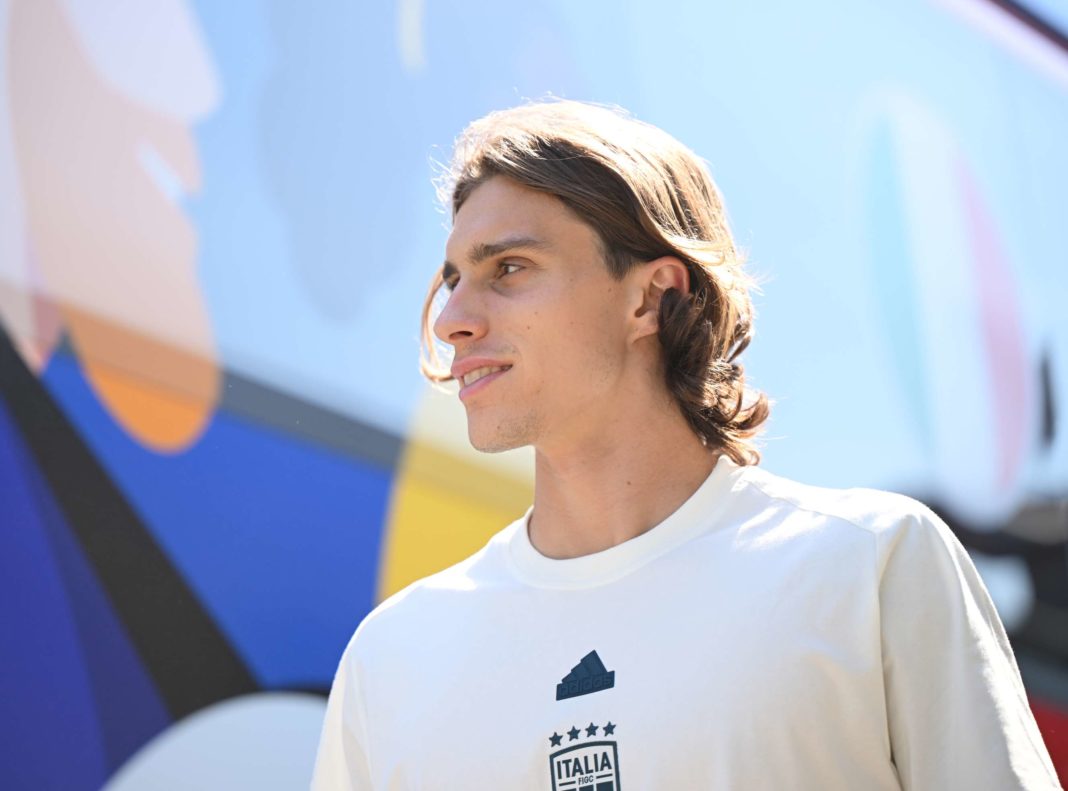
[(480, 252)]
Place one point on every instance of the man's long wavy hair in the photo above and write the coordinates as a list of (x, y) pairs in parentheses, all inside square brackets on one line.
[(646, 195)]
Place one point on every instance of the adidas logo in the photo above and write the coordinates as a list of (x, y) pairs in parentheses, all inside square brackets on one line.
[(588, 676)]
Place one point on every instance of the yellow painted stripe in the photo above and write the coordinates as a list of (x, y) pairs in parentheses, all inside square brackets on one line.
[(443, 509)]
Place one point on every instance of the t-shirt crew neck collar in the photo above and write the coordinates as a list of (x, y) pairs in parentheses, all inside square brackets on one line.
[(696, 515)]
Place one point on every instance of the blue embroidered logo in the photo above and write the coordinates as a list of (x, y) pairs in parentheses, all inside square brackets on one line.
[(588, 676), (587, 766)]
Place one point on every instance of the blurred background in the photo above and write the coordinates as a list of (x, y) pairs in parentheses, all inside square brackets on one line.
[(216, 231)]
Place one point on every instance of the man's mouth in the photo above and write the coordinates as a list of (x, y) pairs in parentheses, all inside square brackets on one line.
[(478, 373), (480, 378)]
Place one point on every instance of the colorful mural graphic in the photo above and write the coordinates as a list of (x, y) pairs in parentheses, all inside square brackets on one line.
[(217, 224)]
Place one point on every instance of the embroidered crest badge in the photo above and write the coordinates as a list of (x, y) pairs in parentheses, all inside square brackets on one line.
[(586, 766)]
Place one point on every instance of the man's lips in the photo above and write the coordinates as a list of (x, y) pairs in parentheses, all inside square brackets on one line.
[(477, 387), (463, 367)]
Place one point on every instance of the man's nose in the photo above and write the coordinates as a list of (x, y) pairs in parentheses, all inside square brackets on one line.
[(463, 317)]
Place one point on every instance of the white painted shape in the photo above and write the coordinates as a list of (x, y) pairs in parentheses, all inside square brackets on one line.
[(265, 741), (410, 40), (152, 51), (160, 172)]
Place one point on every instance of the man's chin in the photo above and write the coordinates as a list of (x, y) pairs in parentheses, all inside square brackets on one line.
[(499, 439), (494, 444)]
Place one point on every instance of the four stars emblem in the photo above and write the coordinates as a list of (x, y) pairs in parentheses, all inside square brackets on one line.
[(609, 729)]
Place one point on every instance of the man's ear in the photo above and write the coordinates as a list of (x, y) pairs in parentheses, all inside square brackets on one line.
[(652, 279)]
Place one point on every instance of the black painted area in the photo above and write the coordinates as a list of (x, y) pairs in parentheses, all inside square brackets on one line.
[(1034, 21), (189, 658), (268, 406), (1048, 430)]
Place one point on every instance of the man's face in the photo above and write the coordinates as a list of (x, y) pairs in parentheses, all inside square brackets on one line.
[(532, 291)]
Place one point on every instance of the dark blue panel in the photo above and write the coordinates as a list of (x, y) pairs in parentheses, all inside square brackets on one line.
[(129, 710), (49, 737)]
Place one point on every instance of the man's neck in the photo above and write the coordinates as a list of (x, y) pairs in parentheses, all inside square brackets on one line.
[(613, 488)]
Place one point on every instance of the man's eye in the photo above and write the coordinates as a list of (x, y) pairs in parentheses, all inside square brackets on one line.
[(502, 270)]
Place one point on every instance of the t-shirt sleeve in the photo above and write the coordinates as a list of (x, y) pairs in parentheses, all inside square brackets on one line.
[(957, 712), (341, 763)]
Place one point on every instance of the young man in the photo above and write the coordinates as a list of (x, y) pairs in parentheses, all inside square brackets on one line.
[(666, 615)]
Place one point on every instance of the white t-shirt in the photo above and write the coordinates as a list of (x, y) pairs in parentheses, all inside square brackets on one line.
[(766, 635)]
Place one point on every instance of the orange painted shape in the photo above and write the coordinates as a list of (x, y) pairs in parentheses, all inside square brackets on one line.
[(162, 395), (166, 421)]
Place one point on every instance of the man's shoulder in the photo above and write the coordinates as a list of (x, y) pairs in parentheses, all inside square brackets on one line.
[(875, 511), (428, 601)]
